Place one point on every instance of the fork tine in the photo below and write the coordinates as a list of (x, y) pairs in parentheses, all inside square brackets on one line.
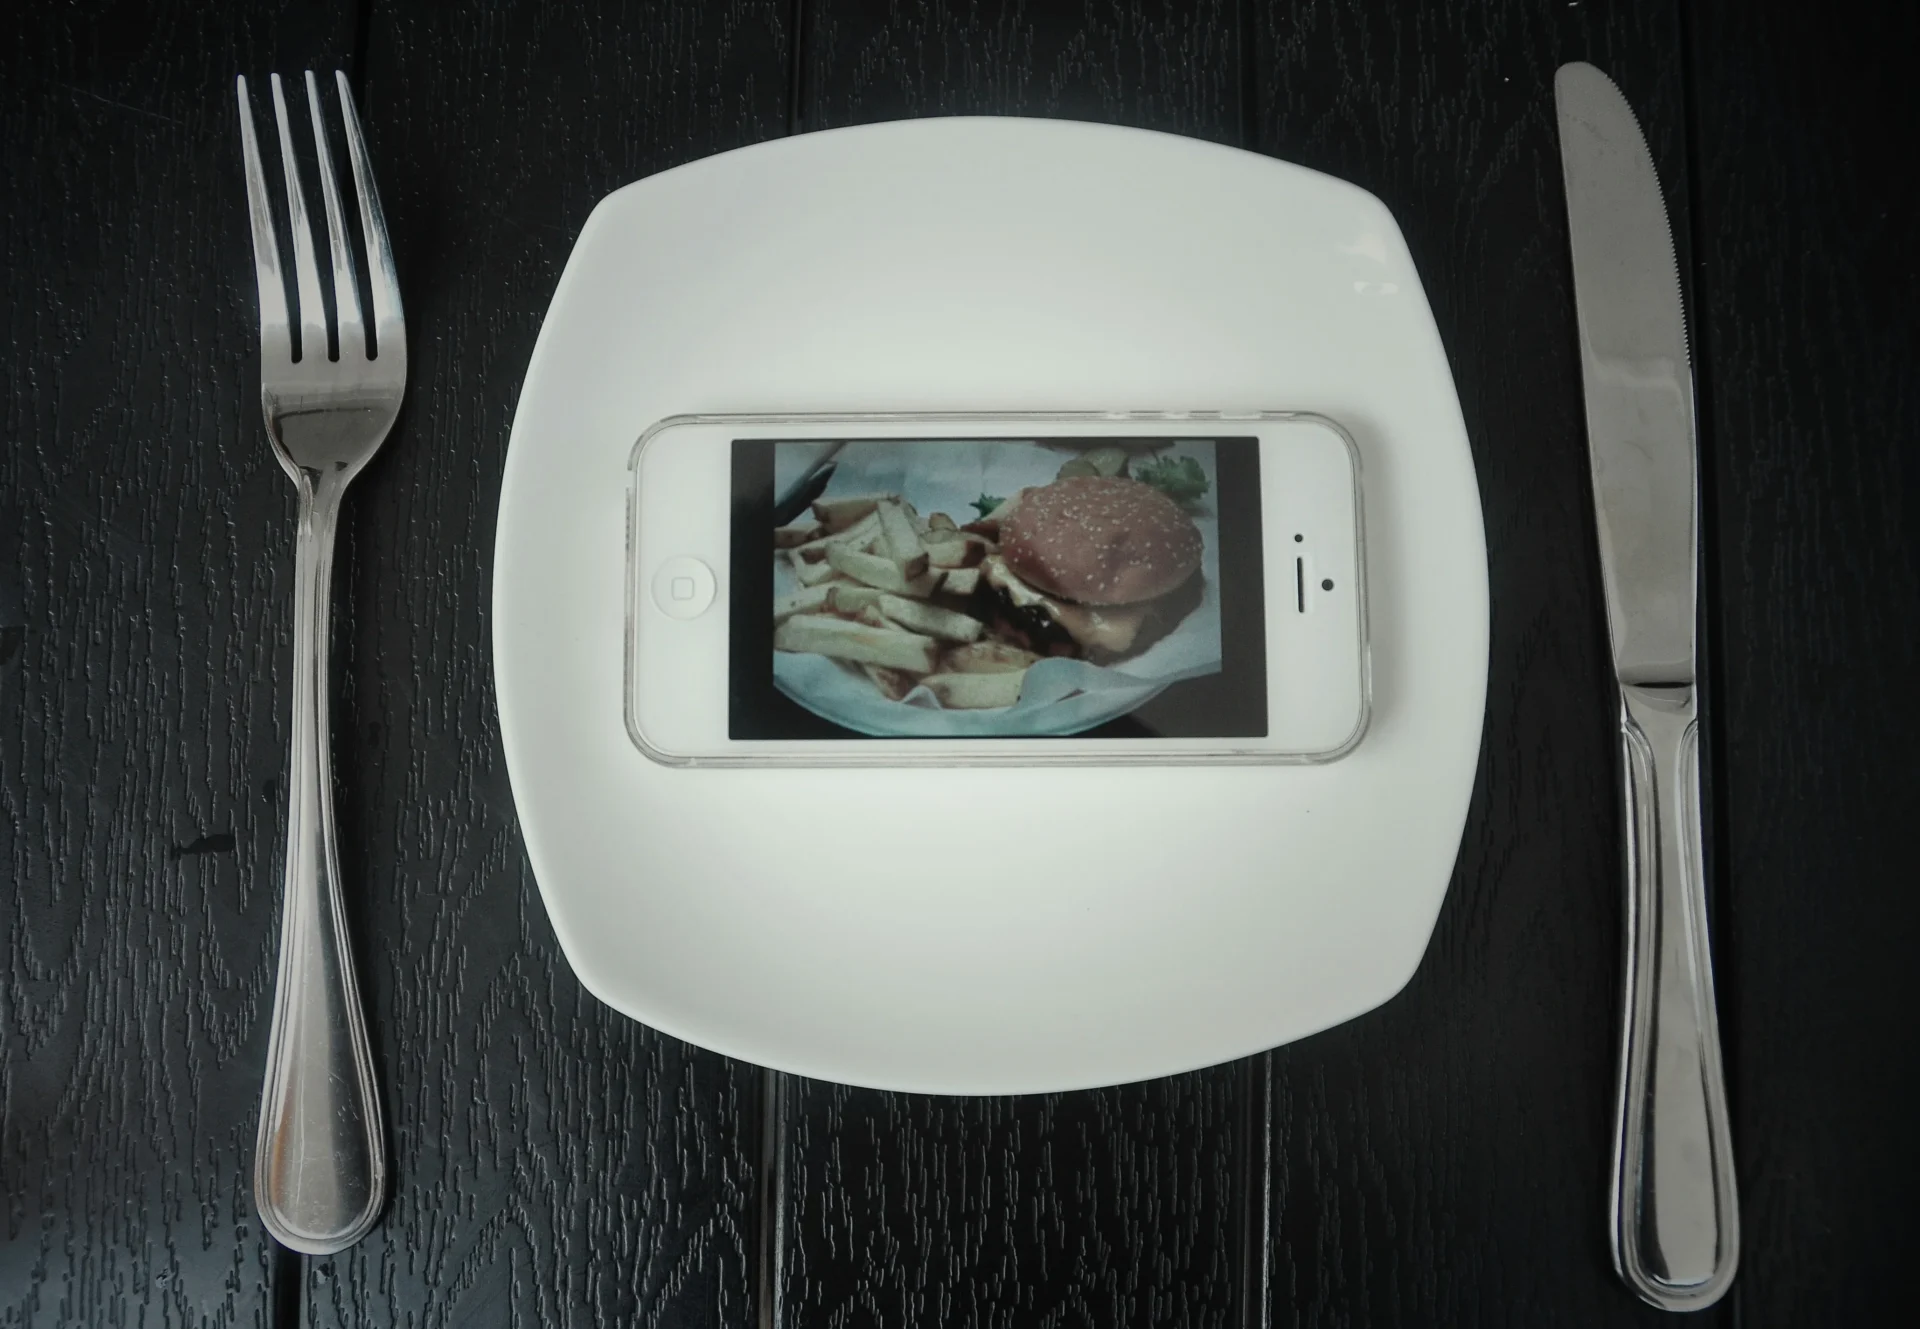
[(346, 299), (383, 281), (306, 269), (266, 252)]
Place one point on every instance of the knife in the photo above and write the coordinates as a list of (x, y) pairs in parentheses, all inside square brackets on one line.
[(1675, 1215), (809, 486)]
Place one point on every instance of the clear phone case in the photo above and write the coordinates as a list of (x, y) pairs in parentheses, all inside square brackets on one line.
[(1085, 588)]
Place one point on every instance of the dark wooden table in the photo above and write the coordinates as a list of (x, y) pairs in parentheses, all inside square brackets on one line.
[(1441, 1161)]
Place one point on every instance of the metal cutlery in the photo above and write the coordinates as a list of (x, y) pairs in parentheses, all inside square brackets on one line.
[(329, 395), (813, 480), (1675, 1213)]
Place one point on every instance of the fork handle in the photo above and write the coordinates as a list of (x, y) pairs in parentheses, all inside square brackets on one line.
[(319, 1172), (1676, 1220)]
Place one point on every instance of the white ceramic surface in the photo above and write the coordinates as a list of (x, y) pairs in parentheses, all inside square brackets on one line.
[(1075, 926)]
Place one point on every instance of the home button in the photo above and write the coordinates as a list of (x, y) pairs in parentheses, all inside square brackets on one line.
[(683, 587)]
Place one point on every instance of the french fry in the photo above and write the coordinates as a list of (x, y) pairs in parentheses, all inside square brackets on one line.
[(816, 550), (919, 616), (792, 537), (894, 684), (848, 598), (976, 692), (808, 600), (961, 552), (883, 573), (961, 581), (840, 513), (987, 657), (873, 618), (940, 521), (819, 634), (900, 542), (810, 574)]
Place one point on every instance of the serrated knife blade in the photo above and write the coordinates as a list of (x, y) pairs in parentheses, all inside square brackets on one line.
[(1674, 1211)]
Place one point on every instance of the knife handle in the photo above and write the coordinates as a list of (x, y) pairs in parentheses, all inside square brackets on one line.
[(1676, 1220)]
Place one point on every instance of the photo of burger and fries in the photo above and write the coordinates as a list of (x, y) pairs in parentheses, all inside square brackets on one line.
[(1097, 565)]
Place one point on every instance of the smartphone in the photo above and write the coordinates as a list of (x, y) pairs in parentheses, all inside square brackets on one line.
[(995, 589)]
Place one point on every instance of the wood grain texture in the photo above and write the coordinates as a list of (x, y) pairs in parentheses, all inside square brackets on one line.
[(555, 1163), (1444, 1160), (145, 590), (1807, 319), (1117, 1207), (1172, 65)]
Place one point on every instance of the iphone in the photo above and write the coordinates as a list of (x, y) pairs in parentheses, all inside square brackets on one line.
[(1087, 588)]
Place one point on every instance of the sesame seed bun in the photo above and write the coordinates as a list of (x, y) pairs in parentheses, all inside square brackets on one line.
[(1100, 540)]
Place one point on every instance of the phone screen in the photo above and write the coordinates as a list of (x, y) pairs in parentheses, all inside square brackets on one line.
[(953, 588)]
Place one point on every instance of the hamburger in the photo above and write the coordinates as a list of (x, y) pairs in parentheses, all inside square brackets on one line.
[(1092, 566)]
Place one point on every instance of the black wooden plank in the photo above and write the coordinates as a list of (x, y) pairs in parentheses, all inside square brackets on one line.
[(1445, 1159), (1116, 1207), (555, 1163), (1172, 65), (1807, 324), (145, 561)]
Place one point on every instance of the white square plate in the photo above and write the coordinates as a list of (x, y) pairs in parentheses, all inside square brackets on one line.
[(988, 930)]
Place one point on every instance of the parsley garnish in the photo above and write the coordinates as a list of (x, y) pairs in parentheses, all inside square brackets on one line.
[(1179, 478)]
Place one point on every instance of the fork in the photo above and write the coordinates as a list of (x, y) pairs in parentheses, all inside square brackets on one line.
[(319, 1173)]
